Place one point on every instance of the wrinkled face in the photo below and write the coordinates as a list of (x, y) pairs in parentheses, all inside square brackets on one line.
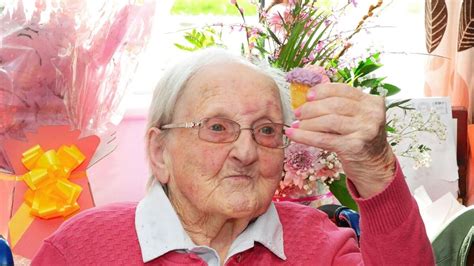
[(236, 179)]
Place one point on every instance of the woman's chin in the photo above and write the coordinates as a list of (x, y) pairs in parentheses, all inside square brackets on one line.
[(241, 206)]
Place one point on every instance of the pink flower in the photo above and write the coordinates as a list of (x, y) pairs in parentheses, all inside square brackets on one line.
[(255, 31), (233, 2), (320, 46), (309, 58), (306, 170), (275, 18), (331, 167), (301, 161), (251, 45)]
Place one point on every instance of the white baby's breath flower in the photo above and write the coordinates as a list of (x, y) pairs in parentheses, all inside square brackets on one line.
[(422, 159), (382, 91), (408, 134)]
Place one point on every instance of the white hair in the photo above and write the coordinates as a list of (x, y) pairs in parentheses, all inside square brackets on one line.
[(175, 79)]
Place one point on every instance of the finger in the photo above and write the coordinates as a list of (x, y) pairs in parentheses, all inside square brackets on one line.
[(326, 90), (345, 146), (330, 123), (331, 105), (326, 141)]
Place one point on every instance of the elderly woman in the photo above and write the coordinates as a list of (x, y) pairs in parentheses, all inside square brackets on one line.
[(215, 139)]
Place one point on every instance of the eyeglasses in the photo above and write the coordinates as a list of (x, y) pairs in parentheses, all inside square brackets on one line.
[(222, 130)]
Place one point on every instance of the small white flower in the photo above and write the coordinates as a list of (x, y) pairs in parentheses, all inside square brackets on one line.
[(330, 157), (407, 139), (382, 91)]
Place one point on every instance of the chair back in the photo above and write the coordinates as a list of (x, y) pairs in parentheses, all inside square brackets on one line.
[(342, 216), (6, 256)]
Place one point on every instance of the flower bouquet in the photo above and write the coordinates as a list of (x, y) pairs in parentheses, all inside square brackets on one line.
[(303, 34), (303, 38)]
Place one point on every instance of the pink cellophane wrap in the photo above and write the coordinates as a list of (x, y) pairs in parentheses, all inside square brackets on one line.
[(68, 62)]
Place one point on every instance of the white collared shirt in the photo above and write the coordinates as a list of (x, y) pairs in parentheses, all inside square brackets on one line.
[(159, 231)]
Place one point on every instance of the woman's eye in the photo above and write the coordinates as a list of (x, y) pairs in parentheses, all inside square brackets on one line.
[(217, 127), (267, 130)]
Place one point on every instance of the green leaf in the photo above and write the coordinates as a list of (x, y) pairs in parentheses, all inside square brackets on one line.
[(307, 49), (389, 129), (185, 48), (371, 83), (300, 31), (200, 39), (260, 47), (193, 39), (285, 26), (293, 41), (288, 48), (325, 53), (392, 89), (345, 73), (376, 56), (274, 37), (366, 69), (399, 104), (339, 190)]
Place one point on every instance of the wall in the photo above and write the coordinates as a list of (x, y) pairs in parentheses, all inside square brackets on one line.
[(122, 175)]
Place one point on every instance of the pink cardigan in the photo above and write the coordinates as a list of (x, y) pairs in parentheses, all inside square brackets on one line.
[(392, 234)]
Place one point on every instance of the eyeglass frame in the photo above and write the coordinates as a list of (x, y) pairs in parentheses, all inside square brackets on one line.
[(200, 123)]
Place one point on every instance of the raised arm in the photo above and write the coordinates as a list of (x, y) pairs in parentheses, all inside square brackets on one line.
[(351, 123)]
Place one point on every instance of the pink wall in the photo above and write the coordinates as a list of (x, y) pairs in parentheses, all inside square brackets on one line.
[(122, 175)]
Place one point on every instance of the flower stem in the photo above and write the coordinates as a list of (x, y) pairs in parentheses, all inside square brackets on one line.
[(369, 14)]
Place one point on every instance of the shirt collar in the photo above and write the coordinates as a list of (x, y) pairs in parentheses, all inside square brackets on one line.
[(159, 229), (266, 230)]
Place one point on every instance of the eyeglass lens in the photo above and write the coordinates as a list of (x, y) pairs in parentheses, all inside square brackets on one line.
[(222, 130)]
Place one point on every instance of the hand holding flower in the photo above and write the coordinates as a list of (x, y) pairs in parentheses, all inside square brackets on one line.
[(351, 123)]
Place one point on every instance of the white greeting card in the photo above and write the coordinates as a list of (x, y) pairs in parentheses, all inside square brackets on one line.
[(441, 176)]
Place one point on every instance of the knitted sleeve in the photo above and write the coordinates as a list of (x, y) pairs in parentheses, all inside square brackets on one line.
[(48, 255), (392, 231)]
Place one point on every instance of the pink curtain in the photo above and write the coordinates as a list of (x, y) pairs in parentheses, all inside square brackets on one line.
[(450, 39)]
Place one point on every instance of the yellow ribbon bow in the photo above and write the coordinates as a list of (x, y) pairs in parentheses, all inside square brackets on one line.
[(50, 193)]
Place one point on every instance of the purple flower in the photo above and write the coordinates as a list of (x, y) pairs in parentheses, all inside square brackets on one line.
[(304, 76), (353, 2)]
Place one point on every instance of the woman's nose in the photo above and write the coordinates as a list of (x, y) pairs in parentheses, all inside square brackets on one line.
[(245, 148)]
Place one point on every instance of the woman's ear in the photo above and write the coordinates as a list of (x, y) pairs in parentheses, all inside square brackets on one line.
[(156, 154)]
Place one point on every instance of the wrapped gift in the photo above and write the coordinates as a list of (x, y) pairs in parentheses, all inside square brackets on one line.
[(68, 62), (65, 67), (51, 184)]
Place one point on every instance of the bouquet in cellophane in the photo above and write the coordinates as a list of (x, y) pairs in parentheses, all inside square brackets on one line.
[(65, 66)]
